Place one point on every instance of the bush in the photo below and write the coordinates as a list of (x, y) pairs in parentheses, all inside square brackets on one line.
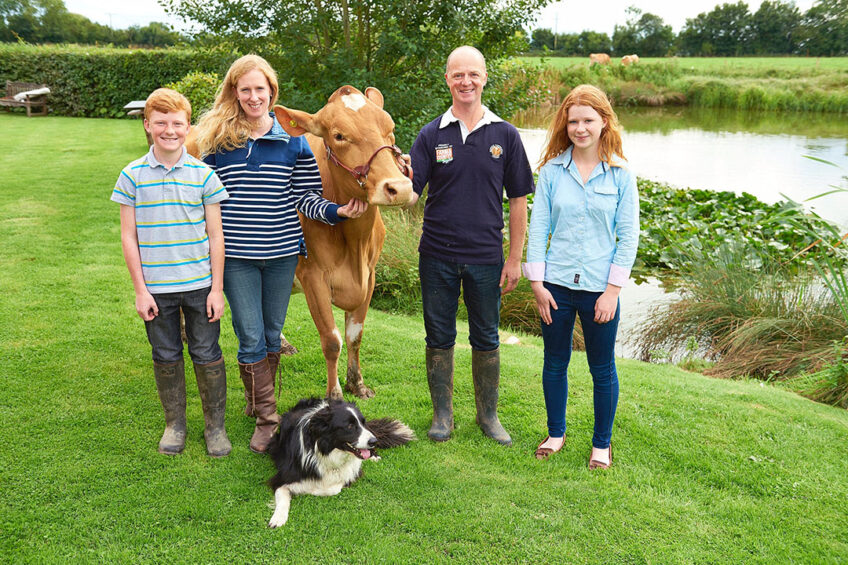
[(200, 89), (98, 81)]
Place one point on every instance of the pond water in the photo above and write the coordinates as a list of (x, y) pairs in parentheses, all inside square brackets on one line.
[(756, 152)]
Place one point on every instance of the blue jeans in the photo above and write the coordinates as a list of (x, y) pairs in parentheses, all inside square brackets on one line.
[(440, 285), (600, 353), (258, 291), (163, 331)]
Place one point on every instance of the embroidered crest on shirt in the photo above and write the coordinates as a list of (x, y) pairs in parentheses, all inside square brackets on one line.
[(444, 153), (496, 151)]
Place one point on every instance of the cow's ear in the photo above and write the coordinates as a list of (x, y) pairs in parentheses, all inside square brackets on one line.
[(295, 122), (374, 95)]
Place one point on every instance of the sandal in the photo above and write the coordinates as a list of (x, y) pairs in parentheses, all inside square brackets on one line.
[(543, 453), (595, 464)]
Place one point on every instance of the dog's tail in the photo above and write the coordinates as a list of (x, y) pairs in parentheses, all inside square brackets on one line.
[(390, 433)]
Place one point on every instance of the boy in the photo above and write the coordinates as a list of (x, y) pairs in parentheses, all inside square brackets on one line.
[(173, 245)]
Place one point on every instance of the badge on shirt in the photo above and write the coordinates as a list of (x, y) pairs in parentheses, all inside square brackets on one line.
[(496, 151), (444, 153)]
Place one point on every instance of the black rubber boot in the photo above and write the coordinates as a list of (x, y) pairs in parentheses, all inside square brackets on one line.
[(486, 369), (212, 384), (440, 380), (170, 383)]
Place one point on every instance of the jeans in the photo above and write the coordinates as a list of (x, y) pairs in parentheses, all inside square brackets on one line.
[(258, 291), (600, 353), (163, 331), (440, 286)]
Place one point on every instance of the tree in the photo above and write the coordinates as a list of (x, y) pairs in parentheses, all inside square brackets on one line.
[(593, 42), (542, 38), (824, 29), (644, 34), (724, 31), (774, 28)]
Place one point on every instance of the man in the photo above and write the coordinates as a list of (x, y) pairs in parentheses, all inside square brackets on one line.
[(468, 156)]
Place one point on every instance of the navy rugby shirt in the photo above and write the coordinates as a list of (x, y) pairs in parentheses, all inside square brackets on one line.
[(269, 181), (463, 214)]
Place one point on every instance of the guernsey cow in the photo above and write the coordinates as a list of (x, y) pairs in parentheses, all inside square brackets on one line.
[(599, 58), (353, 141), (629, 59)]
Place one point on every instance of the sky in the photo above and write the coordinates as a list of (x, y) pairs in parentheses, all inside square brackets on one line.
[(567, 16)]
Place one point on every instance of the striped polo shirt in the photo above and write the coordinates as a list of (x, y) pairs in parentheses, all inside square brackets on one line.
[(170, 219), (269, 181)]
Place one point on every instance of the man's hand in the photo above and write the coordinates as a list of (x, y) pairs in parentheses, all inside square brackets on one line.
[(510, 275)]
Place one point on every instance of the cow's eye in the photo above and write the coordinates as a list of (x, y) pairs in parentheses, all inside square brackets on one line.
[(338, 137)]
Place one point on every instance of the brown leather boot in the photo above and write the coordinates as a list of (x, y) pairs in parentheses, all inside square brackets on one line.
[(170, 383), (273, 362), (259, 384), (440, 381), (212, 384), (486, 372)]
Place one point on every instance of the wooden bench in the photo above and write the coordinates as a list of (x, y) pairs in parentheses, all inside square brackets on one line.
[(29, 102)]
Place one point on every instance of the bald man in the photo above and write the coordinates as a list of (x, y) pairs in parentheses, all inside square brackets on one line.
[(467, 158)]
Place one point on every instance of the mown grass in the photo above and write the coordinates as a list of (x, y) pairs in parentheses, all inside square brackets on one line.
[(706, 471), (756, 83)]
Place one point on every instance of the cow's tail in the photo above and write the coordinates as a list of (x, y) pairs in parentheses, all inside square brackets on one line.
[(390, 433)]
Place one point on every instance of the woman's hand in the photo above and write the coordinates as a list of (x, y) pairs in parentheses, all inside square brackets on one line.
[(544, 300), (353, 209), (607, 304)]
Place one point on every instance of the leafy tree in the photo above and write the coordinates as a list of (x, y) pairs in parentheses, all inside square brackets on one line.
[(774, 28), (644, 34), (542, 38), (396, 45), (592, 42), (824, 28), (724, 31)]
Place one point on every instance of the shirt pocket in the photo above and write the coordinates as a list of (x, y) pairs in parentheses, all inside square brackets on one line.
[(605, 196)]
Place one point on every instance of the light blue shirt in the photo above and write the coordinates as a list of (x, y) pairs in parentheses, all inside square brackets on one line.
[(593, 227)]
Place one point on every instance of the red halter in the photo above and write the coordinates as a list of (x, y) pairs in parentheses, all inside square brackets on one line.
[(360, 173)]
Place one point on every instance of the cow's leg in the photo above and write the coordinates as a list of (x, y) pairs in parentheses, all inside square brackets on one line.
[(354, 322), (318, 299)]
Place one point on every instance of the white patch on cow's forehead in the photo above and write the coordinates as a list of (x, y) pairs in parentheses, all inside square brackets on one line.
[(354, 101)]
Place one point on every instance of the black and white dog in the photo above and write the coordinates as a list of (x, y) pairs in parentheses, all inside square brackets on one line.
[(320, 447)]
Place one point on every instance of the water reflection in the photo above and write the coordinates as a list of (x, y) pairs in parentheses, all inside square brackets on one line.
[(761, 153)]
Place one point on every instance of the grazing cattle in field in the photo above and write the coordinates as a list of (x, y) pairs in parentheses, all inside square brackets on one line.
[(353, 141), (599, 58), (629, 59)]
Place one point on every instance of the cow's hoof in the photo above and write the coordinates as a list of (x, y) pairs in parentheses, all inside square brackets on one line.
[(335, 394), (360, 390)]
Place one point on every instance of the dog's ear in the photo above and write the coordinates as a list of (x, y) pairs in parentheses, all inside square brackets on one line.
[(320, 428)]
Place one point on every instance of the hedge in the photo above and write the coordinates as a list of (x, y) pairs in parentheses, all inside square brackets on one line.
[(99, 81)]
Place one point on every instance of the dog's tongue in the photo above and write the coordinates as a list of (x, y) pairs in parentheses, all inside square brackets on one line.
[(366, 453)]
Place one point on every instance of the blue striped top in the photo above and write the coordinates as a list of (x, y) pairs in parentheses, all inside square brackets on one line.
[(269, 181), (170, 219)]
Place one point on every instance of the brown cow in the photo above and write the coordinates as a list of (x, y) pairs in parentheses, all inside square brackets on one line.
[(353, 141), (599, 58)]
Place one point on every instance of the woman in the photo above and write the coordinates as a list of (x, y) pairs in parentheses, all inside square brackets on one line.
[(587, 203), (269, 176)]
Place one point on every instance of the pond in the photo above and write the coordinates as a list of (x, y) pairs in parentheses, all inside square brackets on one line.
[(761, 153), (756, 152)]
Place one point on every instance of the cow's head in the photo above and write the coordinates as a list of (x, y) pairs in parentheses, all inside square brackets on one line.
[(359, 138)]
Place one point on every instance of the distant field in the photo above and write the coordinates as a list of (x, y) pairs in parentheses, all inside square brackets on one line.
[(718, 64)]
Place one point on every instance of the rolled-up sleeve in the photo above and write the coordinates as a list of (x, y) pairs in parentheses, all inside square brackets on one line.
[(627, 230), (539, 230)]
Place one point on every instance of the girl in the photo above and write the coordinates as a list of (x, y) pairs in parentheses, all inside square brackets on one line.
[(587, 204)]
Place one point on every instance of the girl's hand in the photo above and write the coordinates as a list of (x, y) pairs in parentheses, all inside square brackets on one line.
[(605, 306), (353, 209), (544, 301)]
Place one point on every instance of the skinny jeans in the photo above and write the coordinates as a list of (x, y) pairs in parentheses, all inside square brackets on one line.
[(600, 354)]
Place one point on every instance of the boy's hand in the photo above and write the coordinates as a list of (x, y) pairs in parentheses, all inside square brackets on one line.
[(146, 307), (215, 305)]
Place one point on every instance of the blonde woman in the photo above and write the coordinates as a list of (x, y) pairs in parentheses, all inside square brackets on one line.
[(587, 205), (270, 176)]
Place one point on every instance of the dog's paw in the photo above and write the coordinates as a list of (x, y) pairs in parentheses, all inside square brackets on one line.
[(278, 519)]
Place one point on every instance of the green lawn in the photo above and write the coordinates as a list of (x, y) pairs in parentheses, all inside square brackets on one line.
[(706, 471), (725, 64)]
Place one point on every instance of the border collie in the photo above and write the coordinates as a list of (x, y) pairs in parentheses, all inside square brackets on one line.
[(319, 449)]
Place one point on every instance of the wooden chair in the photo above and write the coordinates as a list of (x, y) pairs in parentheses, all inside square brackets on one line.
[(28, 102)]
